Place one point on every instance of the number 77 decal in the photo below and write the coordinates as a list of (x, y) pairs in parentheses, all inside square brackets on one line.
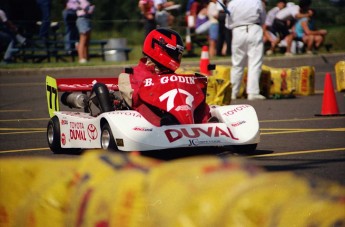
[(170, 95), (52, 95)]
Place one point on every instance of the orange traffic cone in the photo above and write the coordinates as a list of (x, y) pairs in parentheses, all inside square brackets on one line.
[(189, 47), (204, 61), (329, 101)]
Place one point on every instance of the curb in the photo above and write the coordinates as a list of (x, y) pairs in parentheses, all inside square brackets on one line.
[(86, 71)]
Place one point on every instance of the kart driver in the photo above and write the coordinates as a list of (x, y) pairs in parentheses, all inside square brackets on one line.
[(162, 50)]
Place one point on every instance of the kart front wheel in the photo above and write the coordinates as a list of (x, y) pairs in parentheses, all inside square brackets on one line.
[(107, 139)]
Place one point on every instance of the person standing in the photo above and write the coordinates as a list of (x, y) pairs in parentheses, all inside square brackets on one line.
[(213, 31), (147, 10), (9, 36), (224, 36), (69, 15), (245, 20), (163, 17), (84, 13), (45, 7)]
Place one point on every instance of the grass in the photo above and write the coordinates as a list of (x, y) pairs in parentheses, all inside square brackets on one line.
[(335, 37)]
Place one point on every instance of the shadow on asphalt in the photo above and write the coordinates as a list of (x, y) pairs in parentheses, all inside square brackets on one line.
[(171, 154)]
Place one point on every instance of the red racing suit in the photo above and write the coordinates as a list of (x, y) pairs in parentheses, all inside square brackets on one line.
[(142, 71)]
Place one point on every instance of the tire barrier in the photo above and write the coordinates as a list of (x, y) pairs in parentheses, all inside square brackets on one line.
[(340, 75), (101, 188), (292, 81), (219, 87), (274, 82)]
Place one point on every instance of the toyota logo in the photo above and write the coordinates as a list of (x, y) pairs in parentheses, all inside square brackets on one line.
[(92, 131)]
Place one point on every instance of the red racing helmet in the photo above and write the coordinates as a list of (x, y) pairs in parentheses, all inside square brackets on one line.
[(164, 47)]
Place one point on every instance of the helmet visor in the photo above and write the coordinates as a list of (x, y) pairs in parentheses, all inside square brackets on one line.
[(175, 52)]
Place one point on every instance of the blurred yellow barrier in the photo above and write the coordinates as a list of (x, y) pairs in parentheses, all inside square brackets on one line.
[(109, 190), (219, 87), (340, 75), (112, 189), (295, 80), (24, 181), (175, 186)]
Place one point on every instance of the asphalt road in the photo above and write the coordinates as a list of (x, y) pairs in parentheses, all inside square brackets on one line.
[(292, 138)]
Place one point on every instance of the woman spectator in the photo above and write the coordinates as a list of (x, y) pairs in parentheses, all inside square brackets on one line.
[(212, 12), (308, 34), (84, 12), (69, 15)]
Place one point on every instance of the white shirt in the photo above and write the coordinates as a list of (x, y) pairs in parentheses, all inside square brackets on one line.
[(212, 12), (271, 15), (72, 4), (288, 13), (83, 5), (159, 2), (3, 17), (245, 12)]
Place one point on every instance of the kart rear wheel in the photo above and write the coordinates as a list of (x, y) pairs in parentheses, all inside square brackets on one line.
[(54, 139), (107, 138)]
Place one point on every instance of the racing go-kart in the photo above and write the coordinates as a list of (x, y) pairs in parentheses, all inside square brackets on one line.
[(102, 120)]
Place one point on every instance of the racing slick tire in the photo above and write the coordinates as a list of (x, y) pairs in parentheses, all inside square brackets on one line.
[(107, 138), (244, 149), (54, 139)]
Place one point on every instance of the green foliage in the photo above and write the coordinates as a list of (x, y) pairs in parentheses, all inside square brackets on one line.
[(335, 37)]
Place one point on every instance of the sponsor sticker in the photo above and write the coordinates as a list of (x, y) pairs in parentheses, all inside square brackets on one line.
[(92, 131), (63, 139), (77, 131), (196, 132), (142, 129)]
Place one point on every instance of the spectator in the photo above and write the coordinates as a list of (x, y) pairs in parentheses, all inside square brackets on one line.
[(198, 11), (45, 7), (69, 15), (246, 19), (163, 17), (84, 13), (285, 20), (189, 6), (212, 13), (9, 36), (202, 23), (224, 34), (270, 35), (306, 32), (147, 10)]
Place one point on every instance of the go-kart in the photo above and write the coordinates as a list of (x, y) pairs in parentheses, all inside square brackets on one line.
[(102, 119)]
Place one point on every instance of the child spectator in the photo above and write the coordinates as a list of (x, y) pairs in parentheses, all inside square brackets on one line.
[(306, 32)]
